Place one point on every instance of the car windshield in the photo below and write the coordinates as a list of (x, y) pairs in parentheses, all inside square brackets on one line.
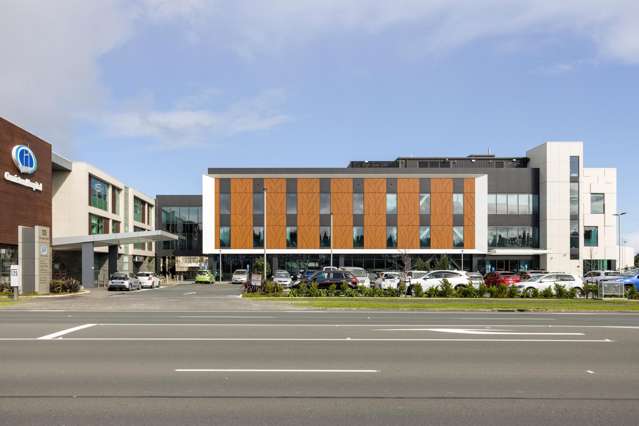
[(391, 275), (203, 272), (534, 277), (144, 274), (119, 276), (281, 275), (418, 274), (358, 272), (240, 271), (475, 275), (611, 274)]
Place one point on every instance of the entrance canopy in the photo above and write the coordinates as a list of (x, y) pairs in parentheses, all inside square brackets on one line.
[(104, 240)]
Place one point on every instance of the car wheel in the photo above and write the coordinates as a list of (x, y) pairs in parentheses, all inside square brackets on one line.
[(579, 293), (530, 292)]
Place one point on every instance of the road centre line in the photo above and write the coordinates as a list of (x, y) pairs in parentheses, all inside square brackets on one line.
[(275, 325), (294, 339), (225, 316), (59, 334), (262, 370)]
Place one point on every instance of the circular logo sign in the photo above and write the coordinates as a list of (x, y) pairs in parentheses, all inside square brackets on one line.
[(24, 159)]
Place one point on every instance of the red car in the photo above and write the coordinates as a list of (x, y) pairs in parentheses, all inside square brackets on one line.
[(501, 278)]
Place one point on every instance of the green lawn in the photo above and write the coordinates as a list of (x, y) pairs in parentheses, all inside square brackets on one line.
[(451, 304)]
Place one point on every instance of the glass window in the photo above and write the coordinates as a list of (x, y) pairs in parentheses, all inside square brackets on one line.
[(98, 193), (291, 203), (225, 236), (325, 203), (258, 203), (115, 227), (325, 236), (513, 204), (535, 204), (225, 203), (574, 166), (492, 203), (139, 246), (597, 203), (424, 203), (458, 236), (258, 237), (525, 204), (502, 204), (391, 235), (458, 203), (574, 199), (391, 203), (138, 210), (358, 237), (291, 236), (97, 225), (591, 236), (358, 203), (115, 200), (424, 236)]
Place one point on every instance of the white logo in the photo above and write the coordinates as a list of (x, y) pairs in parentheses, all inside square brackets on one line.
[(24, 159)]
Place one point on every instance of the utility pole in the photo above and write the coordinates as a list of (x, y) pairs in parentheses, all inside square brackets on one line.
[(619, 242), (264, 276), (331, 239)]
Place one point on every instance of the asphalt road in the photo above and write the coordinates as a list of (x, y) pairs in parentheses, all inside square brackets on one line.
[(234, 366)]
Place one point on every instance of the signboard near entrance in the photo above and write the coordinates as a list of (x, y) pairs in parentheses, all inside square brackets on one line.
[(15, 276)]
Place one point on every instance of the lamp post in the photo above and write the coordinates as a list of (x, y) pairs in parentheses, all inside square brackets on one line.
[(220, 266), (264, 276), (619, 236), (331, 240), (462, 259)]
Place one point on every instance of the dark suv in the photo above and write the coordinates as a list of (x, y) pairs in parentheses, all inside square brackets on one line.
[(325, 279)]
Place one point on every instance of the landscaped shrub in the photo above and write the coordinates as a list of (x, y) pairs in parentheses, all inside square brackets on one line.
[(391, 292), (272, 289), (446, 289), (5, 287), (500, 291), (591, 290), (547, 293), (418, 291), (67, 285), (331, 291), (533, 293), (561, 292), (512, 292), (483, 291), (401, 289)]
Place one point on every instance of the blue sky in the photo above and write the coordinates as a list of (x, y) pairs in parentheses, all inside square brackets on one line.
[(156, 91)]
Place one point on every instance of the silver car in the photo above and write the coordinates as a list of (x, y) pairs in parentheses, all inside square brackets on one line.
[(282, 278), (123, 281), (240, 276)]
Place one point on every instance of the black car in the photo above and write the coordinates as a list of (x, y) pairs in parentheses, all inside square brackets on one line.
[(325, 279)]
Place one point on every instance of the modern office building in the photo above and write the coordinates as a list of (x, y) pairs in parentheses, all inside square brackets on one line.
[(543, 210), (87, 201), (180, 215)]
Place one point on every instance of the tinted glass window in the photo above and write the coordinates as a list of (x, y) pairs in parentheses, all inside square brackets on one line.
[(225, 203), (358, 236), (458, 203), (424, 236), (424, 203), (597, 204), (291, 203), (458, 236), (325, 236), (358, 203), (258, 203), (325, 203), (492, 203), (98, 192), (391, 203), (391, 236)]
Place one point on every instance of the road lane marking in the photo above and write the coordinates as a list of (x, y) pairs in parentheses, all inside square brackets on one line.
[(367, 325), (263, 370), (59, 334), (226, 316), (328, 339), (481, 331), (189, 293), (590, 372)]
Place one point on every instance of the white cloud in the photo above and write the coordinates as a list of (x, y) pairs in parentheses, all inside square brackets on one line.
[(188, 124)]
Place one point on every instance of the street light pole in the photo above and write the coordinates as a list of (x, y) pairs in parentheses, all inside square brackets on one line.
[(619, 242), (264, 276), (331, 240)]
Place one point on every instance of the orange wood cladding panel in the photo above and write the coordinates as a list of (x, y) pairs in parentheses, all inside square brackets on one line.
[(375, 237), (469, 237), (216, 241), (407, 237), (308, 204), (275, 213), (441, 213), (407, 185), (469, 209), (342, 204), (441, 237), (307, 236), (374, 213), (469, 185), (308, 185), (375, 185), (341, 185), (241, 213), (343, 237)]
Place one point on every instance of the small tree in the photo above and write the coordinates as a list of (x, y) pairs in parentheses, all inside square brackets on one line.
[(421, 265), (258, 267), (442, 263)]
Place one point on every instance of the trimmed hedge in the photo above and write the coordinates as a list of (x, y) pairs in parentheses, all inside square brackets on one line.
[(67, 285)]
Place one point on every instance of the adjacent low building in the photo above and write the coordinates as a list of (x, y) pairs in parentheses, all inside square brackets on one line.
[(544, 210)]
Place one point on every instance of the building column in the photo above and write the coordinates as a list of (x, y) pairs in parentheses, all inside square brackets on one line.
[(88, 279), (276, 264), (113, 259)]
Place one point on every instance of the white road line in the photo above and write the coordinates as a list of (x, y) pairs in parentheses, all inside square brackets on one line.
[(59, 334), (367, 325), (225, 316), (341, 339), (480, 331), (590, 372), (262, 370), (189, 293)]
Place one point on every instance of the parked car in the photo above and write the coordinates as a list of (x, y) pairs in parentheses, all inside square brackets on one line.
[(240, 276), (325, 279), (148, 280), (629, 280), (282, 278), (330, 268), (414, 276), (361, 274), (204, 276), (544, 281), (525, 275), (458, 279), (593, 277), (123, 281), (389, 280), (501, 278)]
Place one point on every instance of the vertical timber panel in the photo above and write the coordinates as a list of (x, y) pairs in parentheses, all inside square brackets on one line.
[(408, 213), (275, 213), (375, 213), (441, 213), (342, 207), (242, 213), (469, 213), (308, 206)]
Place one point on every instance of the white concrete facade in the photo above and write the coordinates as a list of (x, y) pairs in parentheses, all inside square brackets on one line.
[(71, 207)]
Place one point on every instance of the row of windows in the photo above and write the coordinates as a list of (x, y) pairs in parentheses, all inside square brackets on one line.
[(513, 236), (99, 195), (142, 211), (325, 203), (100, 225), (186, 222), (513, 204), (325, 237)]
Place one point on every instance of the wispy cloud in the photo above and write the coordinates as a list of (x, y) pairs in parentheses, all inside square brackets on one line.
[(189, 124)]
